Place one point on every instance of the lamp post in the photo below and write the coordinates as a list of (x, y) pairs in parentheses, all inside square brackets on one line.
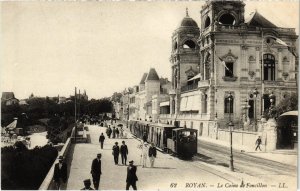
[(272, 99), (230, 125), (255, 93)]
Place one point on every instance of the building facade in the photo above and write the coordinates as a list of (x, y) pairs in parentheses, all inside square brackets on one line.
[(248, 59)]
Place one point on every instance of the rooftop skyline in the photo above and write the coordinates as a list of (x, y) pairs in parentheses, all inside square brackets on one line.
[(48, 48)]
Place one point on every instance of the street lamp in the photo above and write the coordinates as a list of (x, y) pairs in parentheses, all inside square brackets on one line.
[(271, 109), (230, 125), (255, 93)]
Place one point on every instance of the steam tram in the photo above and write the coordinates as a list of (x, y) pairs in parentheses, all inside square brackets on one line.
[(180, 141)]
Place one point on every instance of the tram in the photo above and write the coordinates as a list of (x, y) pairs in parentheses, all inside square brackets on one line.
[(180, 141)]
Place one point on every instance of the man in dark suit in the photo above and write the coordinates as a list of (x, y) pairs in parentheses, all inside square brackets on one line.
[(152, 154), (124, 152), (101, 140), (60, 172), (116, 151), (87, 185), (96, 171), (131, 176)]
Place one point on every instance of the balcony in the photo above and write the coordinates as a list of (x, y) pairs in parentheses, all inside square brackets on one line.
[(190, 87)]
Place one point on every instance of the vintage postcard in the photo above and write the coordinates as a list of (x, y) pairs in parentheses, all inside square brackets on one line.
[(149, 95)]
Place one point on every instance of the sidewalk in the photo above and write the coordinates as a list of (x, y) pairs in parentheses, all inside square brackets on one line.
[(168, 169), (282, 156)]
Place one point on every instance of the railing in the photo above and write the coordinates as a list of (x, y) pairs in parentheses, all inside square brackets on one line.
[(48, 184), (189, 87)]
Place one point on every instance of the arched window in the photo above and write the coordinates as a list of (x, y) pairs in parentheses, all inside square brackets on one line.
[(227, 19), (189, 44), (207, 22), (228, 105), (269, 67)]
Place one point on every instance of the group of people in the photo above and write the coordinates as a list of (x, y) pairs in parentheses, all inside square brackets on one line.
[(148, 151), (115, 132), (96, 173)]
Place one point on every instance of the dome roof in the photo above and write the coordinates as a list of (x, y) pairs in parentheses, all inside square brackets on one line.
[(188, 22)]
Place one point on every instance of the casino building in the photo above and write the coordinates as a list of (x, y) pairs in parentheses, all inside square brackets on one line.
[(227, 68)]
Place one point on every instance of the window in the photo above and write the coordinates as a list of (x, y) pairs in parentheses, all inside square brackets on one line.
[(229, 69), (204, 103), (227, 19), (228, 105), (207, 22), (189, 44), (269, 67)]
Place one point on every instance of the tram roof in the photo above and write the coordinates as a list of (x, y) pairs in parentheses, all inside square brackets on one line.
[(185, 129)]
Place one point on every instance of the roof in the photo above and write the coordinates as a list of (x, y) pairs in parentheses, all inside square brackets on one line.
[(188, 22), (290, 113), (7, 95), (13, 125), (143, 78), (257, 20), (184, 129), (152, 75)]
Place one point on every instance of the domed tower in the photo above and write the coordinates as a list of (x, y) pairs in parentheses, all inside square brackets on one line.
[(184, 57)]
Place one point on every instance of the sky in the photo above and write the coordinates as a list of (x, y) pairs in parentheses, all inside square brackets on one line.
[(49, 48)]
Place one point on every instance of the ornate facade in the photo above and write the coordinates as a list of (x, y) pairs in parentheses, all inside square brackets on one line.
[(225, 57)]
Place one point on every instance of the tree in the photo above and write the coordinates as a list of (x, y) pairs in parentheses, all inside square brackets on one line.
[(116, 97), (289, 103)]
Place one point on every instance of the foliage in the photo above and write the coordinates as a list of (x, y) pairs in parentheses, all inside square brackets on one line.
[(116, 97), (23, 169), (289, 103)]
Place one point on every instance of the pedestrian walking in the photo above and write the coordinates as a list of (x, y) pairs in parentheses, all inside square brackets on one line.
[(115, 152), (258, 143), (124, 152), (144, 154), (117, 132), (121, 132), (114, 132), (96, 171), (109, 131), (60, 172), (101, 140), (152, 154), (131, 176), (145, 137), (87, 185)]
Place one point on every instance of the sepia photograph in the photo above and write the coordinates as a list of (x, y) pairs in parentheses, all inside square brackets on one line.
[(149, 95)]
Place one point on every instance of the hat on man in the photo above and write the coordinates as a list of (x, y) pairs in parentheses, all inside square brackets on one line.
[(131, 161), (60, 157), (86, 181)]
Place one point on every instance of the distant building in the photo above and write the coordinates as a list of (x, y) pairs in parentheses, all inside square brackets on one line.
[(9, 98), (23, 102)]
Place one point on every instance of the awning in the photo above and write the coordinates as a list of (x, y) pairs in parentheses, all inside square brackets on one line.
[(13, 125), (195, 77), (294, 113), (189, 103), (165, 103), (196, 103), (183, 103)]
